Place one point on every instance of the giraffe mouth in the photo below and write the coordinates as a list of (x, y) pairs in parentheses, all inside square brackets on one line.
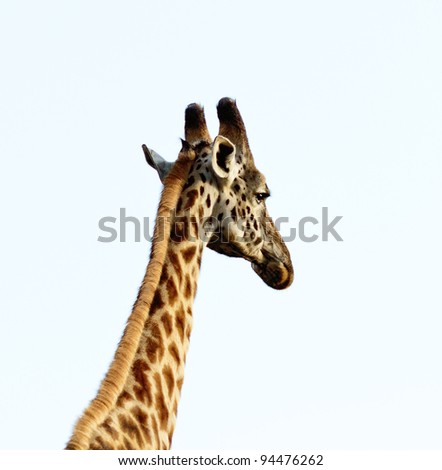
[(274, 273)]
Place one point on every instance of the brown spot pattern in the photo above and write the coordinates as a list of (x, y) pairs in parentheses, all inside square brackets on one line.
[(171, 291), (129, 427), (189, 182), (174, 352), (142, 419), (188, 287), (188, 332), (166, 320), (142, 388), (107, 426), (180, 322), (180, 230), (173, 258), (160, 403), (169, 378), (157, 303), (164, 275), (139, 415), (139, 368), (126, 444), (155, 430), (192, 195), (189, 253), (154, 344), (179, 383), (101, 444), (124, 396)]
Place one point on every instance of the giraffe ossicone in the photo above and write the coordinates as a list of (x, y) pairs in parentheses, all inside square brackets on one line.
[(213, 196)]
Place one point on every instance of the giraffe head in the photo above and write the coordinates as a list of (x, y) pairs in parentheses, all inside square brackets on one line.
[(239, 225)]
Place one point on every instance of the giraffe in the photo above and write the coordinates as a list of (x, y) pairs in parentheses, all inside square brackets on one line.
[(213, 196)]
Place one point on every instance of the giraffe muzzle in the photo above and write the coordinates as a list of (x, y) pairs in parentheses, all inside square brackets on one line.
[(274, 273)]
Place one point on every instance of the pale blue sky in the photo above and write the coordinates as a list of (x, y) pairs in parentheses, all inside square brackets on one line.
[(343, 105)]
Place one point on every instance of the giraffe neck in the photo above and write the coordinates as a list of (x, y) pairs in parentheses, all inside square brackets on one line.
[(144, 414)]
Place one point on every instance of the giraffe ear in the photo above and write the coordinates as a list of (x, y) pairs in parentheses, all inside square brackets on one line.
[(223, 158), (157, 162)]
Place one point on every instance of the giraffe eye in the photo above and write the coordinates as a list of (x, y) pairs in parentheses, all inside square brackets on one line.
[(261, 197)]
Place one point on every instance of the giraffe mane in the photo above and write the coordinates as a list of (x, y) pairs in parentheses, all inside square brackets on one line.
[(114, 381)]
